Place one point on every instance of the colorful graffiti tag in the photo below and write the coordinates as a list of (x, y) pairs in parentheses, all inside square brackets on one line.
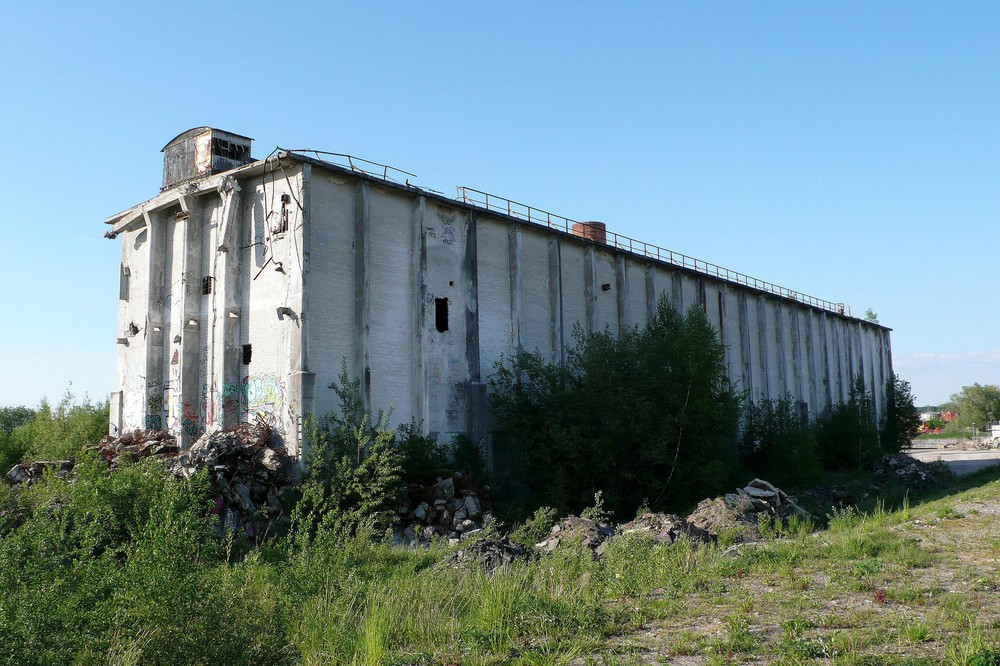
[(263, 394)]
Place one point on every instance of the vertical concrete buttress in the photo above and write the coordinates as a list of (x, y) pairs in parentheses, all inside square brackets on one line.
[(475, 396), (780, 324), (418, 301), (301, 381), (765, 358), (650, 292), (154, 331), (677, 291), (590, 287), (746, 369), (514, 267), (362, 294), (190, 356), (555, 300), (621, 293)]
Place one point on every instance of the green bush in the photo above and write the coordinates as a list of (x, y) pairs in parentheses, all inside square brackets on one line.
[(354, 470), (901, 422), (649, 413), (60, 433)]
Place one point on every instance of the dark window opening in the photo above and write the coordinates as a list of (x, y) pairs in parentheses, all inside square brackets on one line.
[(123, 283), (233, 151), (247, 353), (206, 285), (606, 286), (441, 314)]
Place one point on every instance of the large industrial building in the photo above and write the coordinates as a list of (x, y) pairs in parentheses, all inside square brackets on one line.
[(247, 285)]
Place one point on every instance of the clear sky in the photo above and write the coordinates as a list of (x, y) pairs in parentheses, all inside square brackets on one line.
[(847, 150)]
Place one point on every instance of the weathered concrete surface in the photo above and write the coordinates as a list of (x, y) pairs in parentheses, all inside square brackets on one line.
[(245, 294)]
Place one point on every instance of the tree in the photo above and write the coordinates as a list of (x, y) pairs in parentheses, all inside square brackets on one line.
[(978, 404), (778, 445), (847, 433), (13, 417), (871, 315), (901, 422), (647, 415)]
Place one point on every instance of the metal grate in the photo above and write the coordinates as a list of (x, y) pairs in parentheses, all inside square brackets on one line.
[(528, 213)]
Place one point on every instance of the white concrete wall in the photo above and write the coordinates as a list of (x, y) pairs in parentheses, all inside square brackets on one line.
[(362, 266)]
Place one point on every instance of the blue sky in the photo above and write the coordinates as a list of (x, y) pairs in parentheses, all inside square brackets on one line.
[(846, 150)]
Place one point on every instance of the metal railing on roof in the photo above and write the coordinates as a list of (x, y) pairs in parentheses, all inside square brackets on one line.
[(387, 173), (528, 213)]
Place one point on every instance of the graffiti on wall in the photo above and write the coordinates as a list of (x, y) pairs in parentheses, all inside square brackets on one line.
[(154, 406), (263, 394)]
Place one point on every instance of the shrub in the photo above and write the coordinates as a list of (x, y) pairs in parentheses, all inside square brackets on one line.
[(353, 470), (649, 413), (63, 432), (777, 445), (901, 422), (847, 433)]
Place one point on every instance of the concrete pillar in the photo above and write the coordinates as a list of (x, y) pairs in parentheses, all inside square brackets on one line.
[(814, 376), (418, 313), (765, 358), (155, 331), (780, 340), (362, 294), (590, 287), (301, 391), (514, 264), (677, 290), (475, 397), (797, 366), (746, 369), (651, 296), (190, 306), (556, 316), (827, 359), (621, 293)]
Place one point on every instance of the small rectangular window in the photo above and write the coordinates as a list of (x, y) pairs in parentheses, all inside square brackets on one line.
[(247, 353), (206, 285), (441, 314), (123, 283)]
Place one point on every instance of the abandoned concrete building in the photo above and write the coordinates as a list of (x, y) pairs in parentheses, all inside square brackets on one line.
[(246, 285)]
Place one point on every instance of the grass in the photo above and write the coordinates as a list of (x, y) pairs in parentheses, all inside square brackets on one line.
[(910, 584)]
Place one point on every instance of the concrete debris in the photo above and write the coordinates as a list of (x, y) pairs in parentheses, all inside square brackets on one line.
[(576, 531), (736, 514), (448, 510), (29, 473), (664, 528), (911, 472), (137, 445), (250, 471), (490, 554)]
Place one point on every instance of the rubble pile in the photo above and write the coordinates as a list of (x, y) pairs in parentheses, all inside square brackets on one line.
[(28, 473), (251, 471), (489, 553), (911, 472), (981, 444), (577, 531), (439, 511), (664, 528), (737, 513), (137, 445)]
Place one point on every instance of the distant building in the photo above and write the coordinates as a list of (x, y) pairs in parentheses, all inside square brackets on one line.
[(246, 285)]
